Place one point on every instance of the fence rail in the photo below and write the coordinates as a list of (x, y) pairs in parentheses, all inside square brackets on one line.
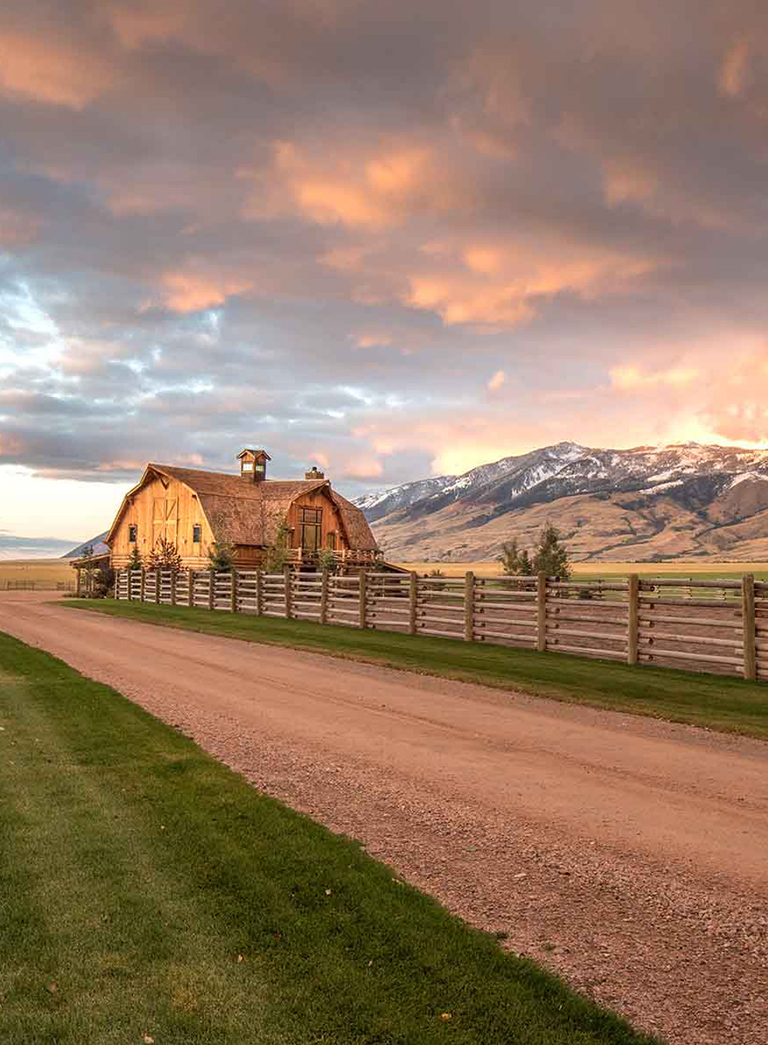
[(712, 626)]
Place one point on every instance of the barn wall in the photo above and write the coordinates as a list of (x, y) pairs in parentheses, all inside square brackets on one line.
[(160, 511), (331, 520)]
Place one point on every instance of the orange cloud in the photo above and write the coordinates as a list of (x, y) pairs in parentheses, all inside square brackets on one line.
[(632, 378), (497, 381), (627, 180), (53, 73), (733, 70), (191, 293)]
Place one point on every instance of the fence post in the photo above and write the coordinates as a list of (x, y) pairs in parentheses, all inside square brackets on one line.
[(143, 584), (128, 595), (748, 616), (363, 579), (633, 618), (173, 587), (157, 586), (190, 587), (233, 582), (541, 605), (211, 589), (259, 599), (413, 595), (324, 597), (469, 607), (288, 592)]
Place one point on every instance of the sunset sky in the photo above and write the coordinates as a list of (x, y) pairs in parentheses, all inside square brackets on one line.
[(392, 238)]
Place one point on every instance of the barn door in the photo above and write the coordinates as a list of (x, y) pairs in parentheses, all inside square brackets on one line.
[(165, 520)]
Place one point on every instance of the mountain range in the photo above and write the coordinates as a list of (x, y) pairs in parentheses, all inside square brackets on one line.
[(650, 503)]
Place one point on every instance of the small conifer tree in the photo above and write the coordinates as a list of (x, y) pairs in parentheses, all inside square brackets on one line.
[(165, 556), (277, 553), (135, 561), (516, 563), (551, 556)]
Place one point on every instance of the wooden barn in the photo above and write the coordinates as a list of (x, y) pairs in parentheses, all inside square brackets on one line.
[(193, 509)]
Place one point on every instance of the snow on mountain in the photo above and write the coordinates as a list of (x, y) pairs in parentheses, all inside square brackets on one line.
[(568, 469)]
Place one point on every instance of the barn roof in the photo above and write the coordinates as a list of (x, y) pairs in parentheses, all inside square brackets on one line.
[(245, 512)]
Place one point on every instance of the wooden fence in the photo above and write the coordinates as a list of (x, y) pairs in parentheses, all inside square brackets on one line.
[(713, 626)]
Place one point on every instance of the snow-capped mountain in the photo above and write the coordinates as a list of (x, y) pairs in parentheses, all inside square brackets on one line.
[(711, 488)]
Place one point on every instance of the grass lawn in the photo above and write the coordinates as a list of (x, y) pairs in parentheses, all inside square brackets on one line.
[(148, 894), (717, 702)]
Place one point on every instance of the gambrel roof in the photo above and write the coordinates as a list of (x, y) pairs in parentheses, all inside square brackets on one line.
[(244, 512)]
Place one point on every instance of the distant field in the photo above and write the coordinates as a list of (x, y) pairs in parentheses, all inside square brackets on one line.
[(703, 569), (40, 572)]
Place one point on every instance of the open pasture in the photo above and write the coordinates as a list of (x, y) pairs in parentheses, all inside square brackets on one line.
[(36, 574), (700, 569)]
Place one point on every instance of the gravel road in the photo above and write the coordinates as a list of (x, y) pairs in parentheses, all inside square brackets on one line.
[(629, 855)]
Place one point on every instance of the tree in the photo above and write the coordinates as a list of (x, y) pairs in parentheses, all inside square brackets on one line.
[(165, 556), (326, 561), (515, 563), (277, 553), (221, 555), (551, 556), (135, 562)]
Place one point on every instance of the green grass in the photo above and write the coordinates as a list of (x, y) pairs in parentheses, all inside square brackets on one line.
[(724, 703), (147, 892)]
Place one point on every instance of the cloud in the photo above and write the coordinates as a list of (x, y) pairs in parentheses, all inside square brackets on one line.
[(329, 227), (733, 71)]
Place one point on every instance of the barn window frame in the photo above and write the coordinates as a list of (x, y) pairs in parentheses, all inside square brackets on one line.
[(133, 533), (197, 534)]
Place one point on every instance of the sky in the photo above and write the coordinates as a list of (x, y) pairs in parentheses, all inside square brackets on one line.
[(392, 239)]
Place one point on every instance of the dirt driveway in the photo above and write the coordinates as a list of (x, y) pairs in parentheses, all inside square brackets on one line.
[(627, 854)]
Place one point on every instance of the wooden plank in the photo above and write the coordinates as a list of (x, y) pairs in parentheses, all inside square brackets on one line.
[(553, 632), (413, 595), (586, 651), (655, 600), (541, 608), (512, 622), (157, 586), (748, 618), (233, 591), (288, 594), (707, 622), (211, 592), (651, 653), (362, 595), (633, 607), (324, 598), (703, 640)]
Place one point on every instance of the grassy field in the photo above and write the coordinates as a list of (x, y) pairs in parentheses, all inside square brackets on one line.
[(148, 894), (42, 573), (716, 702), (701, 569)]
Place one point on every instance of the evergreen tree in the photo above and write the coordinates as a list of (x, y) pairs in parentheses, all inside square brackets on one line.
[(221, 555), (551, 555), (135, 563), (515, 563), (277, 553), (165, 556), (326, 561)]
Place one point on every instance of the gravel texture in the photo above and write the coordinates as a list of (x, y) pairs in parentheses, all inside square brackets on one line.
[(627, 854)]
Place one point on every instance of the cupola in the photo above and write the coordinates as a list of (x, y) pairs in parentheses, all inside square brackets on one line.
[(314, 473), (253, 464)]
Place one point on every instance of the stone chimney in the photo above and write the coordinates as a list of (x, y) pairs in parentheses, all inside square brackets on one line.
[(314, 473), (253, 465)]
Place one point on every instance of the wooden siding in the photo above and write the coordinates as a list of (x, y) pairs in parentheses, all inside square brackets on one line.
[(331, 518), (169, 510)]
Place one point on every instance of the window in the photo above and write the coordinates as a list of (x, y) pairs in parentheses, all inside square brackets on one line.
[(310, 528), (247, 466), (197, 534), (332, 540), (132, 533)]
